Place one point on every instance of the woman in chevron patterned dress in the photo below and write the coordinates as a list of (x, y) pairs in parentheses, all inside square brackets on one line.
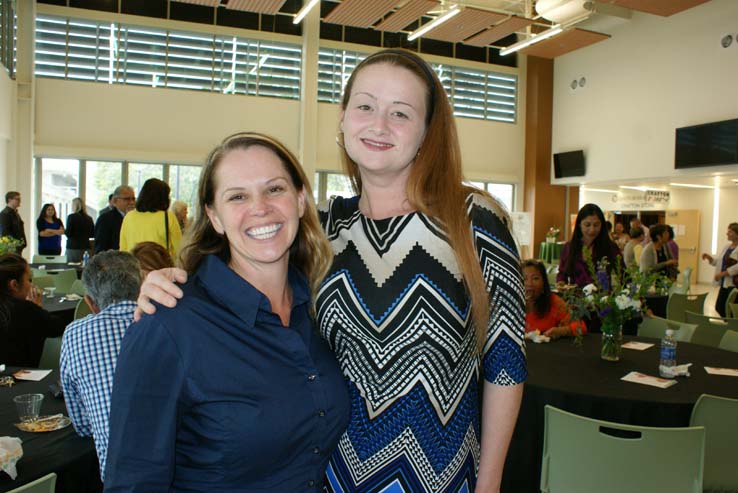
[(424, 303)]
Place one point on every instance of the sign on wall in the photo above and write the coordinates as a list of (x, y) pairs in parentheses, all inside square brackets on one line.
[(654, 200)]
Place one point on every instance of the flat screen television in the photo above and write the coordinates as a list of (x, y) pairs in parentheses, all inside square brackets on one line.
[(709, 144), (568, 164)]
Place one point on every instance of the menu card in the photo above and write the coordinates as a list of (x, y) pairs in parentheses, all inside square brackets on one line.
[(32, 375), (644, 379), (728, 372), (638, 346)]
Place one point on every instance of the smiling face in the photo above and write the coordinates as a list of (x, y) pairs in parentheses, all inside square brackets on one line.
[(533, 283), (590, 227), (732, 236), (384, 120), (257, 207)]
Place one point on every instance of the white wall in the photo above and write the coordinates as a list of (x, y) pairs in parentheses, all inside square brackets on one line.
[(655, 74), (7, 103)]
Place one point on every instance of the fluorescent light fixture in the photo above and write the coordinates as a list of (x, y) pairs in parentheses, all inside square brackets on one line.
[(304, 11), (599, 190), (535, 38), (644, 189), (689, 185), (434, 23)]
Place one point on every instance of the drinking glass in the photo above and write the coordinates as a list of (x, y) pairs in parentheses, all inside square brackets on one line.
[(28, 406)]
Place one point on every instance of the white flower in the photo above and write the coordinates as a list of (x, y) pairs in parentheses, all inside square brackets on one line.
[(589, 289), (623, 302)]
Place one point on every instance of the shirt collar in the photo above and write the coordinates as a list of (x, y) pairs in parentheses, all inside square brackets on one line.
[(240, 296), (122, 307)]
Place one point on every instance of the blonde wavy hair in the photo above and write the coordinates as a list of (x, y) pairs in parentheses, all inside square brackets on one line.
[(310, 252)]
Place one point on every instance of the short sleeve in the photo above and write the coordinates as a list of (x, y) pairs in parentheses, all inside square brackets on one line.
[(504, 348)]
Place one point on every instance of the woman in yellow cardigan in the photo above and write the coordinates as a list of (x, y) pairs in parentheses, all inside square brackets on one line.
[(151, 220)]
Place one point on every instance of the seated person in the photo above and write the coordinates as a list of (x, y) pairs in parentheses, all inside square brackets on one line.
[(151, 256), (544, 310), (90, 345), (24, 324)]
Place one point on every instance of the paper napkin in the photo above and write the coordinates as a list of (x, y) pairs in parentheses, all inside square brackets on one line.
[(644, 379), (638, 346), (728, 372)]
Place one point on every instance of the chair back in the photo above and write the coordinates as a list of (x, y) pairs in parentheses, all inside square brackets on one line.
[(681, 285), (730, 343), (710, 330), (64, 279), (655, 327), (49, 259), (51, 354), (733, 310), (719, 416), (46, 484), (732, 296), (587, 455), (551, 272), (82, 309), (43, 281), (679, 303), (78, 287)]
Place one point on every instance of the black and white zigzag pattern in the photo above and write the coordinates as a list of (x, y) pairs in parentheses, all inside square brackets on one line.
[(395, 311)]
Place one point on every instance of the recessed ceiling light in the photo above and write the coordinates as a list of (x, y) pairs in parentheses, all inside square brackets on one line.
[(690, 185)]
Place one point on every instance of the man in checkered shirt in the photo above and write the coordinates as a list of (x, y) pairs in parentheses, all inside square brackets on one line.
[(90, 345)]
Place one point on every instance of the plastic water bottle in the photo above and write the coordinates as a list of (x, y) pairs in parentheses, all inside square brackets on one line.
[(85, 258), (668, 355)]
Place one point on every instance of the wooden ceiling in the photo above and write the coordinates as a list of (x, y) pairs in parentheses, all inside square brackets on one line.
[(480, 22)]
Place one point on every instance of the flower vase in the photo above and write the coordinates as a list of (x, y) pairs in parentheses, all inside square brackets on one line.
[(612, 340), (550, 239)]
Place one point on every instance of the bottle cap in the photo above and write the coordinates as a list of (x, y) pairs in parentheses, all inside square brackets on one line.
[(669, 332)]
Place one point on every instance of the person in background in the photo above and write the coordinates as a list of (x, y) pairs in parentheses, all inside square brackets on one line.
[(636, 223), (80, 228), (608, 229), (671, 244), (109, 207), (620, 237), (11, 223), (90, 345), (545, 311), (402, 240), (50, 231), (151, 220), (233, 390), (634, 248), (726, 268), (151, 256), (589, 232), (107, 227), (179, 208), (24, 324), (656, 256)]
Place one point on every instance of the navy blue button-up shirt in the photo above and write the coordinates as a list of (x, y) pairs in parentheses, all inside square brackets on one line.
[(217, 395)]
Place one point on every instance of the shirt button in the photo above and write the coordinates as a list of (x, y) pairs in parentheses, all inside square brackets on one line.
[(321, 413), (311, 483), (312, 378), (316, 450)]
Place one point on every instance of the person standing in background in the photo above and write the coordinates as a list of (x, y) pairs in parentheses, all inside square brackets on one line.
[(671, 244), (107, 208), (179, 208), (107, 228), (636, 223), (80, 229), (11, 223), (151, 221), (50, 230), (634, 248), (726, 267)]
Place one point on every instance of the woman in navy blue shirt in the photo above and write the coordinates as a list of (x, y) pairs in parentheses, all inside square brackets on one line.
[(50, 231), (233, 390)]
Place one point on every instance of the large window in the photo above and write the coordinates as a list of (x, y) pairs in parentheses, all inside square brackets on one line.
[(60, 178), (504, 192), (473, 93), (101, 178), (127, 54), (7, 36)]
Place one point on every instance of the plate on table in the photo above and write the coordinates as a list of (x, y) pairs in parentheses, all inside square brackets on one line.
[(44, 424)]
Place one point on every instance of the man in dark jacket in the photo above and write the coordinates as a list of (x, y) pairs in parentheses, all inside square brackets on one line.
[(11, 223), (107, 228)]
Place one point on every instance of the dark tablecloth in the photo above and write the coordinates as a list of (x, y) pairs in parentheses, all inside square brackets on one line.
[(577, 380), (70, 456)]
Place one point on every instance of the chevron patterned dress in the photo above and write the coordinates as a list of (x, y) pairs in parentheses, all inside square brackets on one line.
[(394, 310)]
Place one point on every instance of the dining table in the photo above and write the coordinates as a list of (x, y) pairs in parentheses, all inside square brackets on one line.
[(61, 306), (570, 375), (58, 267), (70, 456)]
